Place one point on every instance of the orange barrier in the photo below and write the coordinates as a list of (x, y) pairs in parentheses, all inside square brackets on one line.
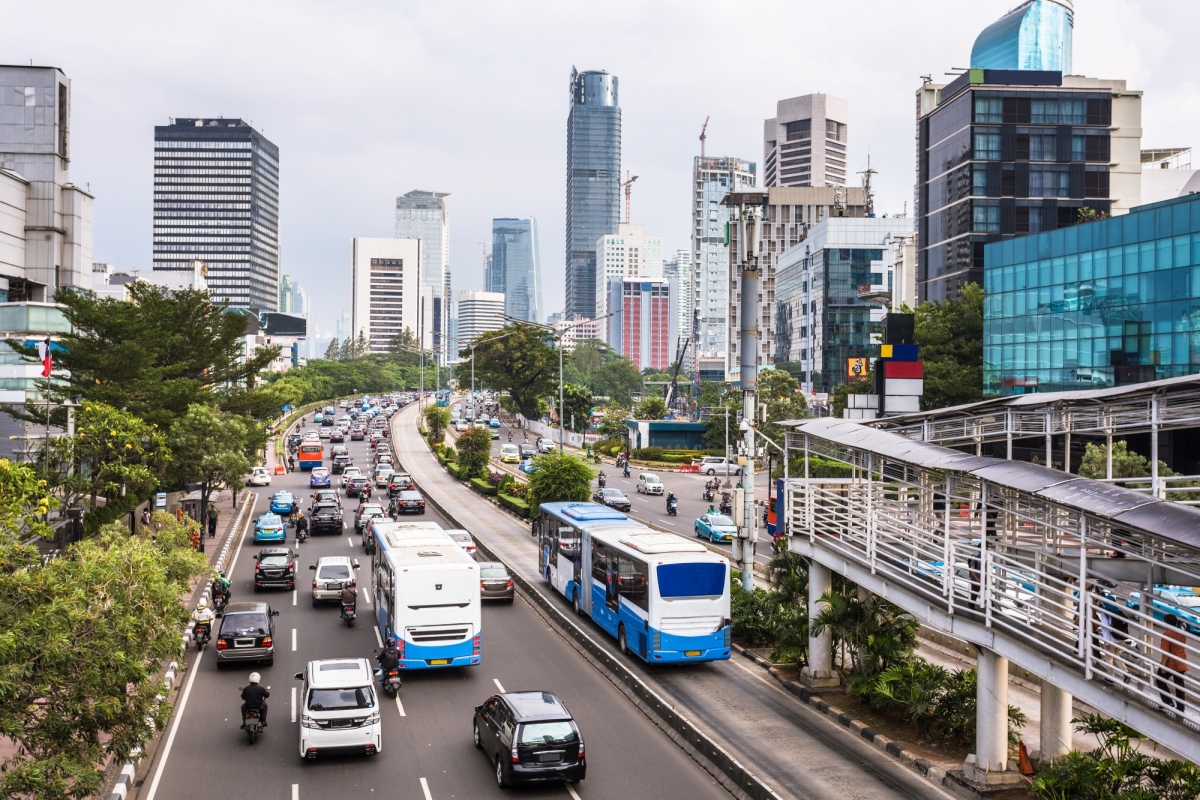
[(280, 469), (689, 468)]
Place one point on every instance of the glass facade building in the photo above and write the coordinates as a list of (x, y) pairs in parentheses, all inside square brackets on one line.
[(423, 215), (1106, 303), (216, 200), (712, 179), (1034, 36), (515, 269), (1003, 154), (593, 182)]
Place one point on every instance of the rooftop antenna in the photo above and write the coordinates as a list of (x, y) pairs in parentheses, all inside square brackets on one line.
[(703, 135), (628, 184), (868, 194), (926, 79)]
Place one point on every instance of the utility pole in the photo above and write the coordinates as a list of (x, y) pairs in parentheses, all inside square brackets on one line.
[(747, 210)]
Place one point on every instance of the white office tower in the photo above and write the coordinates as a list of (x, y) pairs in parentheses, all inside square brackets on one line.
[(628, 253), (45, 220), (383, 276), (478, 312), (677, 271), (805, 143), (713, 178), (423, 215), (300, 301)]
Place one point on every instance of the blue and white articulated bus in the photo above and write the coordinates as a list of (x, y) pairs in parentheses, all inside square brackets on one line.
[(664, 598), (426, 594)]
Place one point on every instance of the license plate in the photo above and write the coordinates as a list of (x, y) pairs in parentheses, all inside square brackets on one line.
[(437, 662), (690, 653)]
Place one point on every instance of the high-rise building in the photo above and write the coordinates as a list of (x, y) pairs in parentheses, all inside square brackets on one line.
[(805, 143), (593, 181), (820, 318), (286, 297), (1007, 153), (628, 253), (644, 330), (216, 200), (384, 274), (677, 271), (712, 179), (514, 267), (45, 220), (300, 300), (479, 312), (790, 213), (423, 215), (1035, 35), (343, 326)]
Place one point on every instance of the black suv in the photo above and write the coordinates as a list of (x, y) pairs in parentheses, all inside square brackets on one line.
[(339, 464), (325, 517), (276, 568), (529, 737)]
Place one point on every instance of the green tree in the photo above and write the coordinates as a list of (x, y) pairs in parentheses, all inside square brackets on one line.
[(522, 363), (437, 419), (613, 423), (210, 450), (474, 450), (577, 403), (715, 433), (157, 354), (1125, 463), (950, 337), (875, 633), (650, 407), (405, 347), (559, 477), (334, 351), (81, 641), (779, 392)]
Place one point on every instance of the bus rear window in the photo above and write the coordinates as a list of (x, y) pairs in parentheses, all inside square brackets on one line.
[(691, 580)]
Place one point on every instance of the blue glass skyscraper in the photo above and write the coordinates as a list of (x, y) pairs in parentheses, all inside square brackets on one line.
[(516, 270), (1034, 36), (593, 181)]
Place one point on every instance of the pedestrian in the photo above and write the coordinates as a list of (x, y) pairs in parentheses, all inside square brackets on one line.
[(212, 523), (179, 514), (146, 516), (1173, 665)]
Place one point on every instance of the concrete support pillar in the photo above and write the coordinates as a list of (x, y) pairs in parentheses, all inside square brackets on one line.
[(819, 673), (1055, 723), (988, 765)]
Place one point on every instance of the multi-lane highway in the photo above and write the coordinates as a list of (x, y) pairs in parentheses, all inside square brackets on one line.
[(427, 748)]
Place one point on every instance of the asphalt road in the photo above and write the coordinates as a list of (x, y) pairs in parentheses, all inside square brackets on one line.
[(427, 749)]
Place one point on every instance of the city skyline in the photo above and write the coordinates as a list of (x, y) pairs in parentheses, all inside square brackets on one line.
[(113, 155)]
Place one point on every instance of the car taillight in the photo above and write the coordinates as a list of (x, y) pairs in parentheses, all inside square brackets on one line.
[(515, 758), (581, 749), (266, 641), (509, 585), (291, 565), (481, 585), (222, 644), (314, 586), (475, 645)]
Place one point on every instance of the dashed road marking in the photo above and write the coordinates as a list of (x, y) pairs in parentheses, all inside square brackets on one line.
[(571, 791), (498, 686), (293, 704), (378, 638), (295, 791), (367, 597), (293, 640), (294, 596), (424, 788), (400, 706), (349, 541)]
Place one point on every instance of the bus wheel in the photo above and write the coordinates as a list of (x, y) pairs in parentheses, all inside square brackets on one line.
[(578, 605), (622, 645)]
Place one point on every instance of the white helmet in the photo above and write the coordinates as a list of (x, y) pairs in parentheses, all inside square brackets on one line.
[(203, 605), (255, 677)]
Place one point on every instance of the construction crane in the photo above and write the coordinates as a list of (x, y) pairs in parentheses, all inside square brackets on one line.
[(703, 135), (683, 346), (628, 184)]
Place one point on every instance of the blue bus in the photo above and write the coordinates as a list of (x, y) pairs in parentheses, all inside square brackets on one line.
[(663, 597), (443, 397), (426, 594)]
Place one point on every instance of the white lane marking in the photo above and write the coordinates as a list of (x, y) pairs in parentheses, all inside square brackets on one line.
[(425, 789), (195, 667), (293, 640), (571, 791), (664, 522), (349, 541), (295, 791), (293, 704), (400, 706), (498, 686), (294, 596), (378, 638), (367, 597)]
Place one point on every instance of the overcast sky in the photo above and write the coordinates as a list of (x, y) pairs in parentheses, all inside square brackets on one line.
[(370, 99)]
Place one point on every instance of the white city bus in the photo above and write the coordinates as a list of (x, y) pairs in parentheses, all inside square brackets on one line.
[(665, 598), (426, 591)]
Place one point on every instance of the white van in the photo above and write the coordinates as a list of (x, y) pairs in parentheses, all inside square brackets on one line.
[(339, 708), (649, 483)]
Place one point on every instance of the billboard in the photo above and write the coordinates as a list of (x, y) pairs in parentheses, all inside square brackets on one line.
[(274, 323), (856, 368)]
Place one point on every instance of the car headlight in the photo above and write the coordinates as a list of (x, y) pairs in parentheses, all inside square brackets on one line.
[(373, 718)]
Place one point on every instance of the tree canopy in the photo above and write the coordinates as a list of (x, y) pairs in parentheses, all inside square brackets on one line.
[(474, 449), (650, 407), (559, 477), (950, 338), (519, 359), (210, 450), (577, 405)]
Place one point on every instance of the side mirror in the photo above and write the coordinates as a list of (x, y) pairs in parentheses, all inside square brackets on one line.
[(299, 676), (256, 557), (312, 566), (274, 613), (356, 563)]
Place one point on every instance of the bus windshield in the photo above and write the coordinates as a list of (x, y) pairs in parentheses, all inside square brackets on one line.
[(691, 580)]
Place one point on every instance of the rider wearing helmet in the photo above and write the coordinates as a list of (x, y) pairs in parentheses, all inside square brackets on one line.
[(220, 586), (389, 659), (255, 696), (203, 617)]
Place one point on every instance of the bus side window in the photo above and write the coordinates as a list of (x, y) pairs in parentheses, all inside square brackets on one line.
[(568, 543), (633, 581), (599, 562)]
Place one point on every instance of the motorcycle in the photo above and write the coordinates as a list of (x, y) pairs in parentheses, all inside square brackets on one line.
[(301, 534), (253, 723), (779, 543), (625, 471), (601, 481), (219, 602), (596, 459), (391, 682), (201, 636), (672, 507), (709, 492), (348, 615), (726, 504)]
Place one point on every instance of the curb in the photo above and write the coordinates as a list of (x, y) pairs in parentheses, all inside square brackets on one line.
[(127, 776), (813, 700), (713, 758)]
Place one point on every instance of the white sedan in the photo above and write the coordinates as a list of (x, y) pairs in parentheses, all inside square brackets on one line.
[(259, 476)]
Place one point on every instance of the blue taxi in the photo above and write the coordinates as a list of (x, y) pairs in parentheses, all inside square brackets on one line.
[(269, 528)]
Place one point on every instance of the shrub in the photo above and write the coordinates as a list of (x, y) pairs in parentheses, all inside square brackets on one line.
[(517, 489), (647, 453), (483, 487), (474, 450), (514, 504), (454, 470), (495, 478), (607, 445), (615, 451), (752, 614)]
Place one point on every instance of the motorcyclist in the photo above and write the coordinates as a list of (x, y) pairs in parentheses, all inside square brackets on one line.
[(711, 509), (301, 526), (203, 617), (291, 464), (220, 586), (393, 509), (389, 659), (255, 696), (625, 468), (671, 501), (349, 598), (510, 436), (602, 479)]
